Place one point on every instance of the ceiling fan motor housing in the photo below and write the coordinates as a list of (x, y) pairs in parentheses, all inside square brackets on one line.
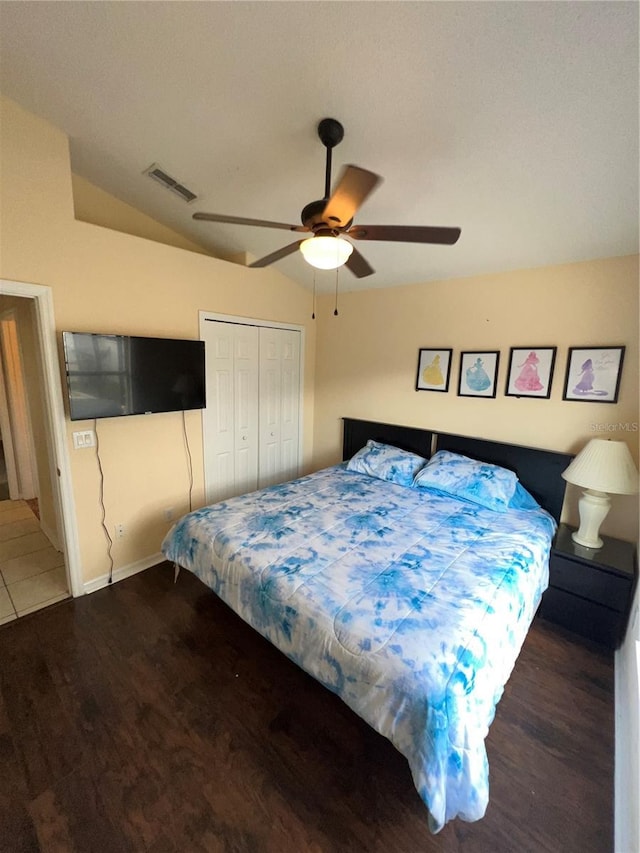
[(312, 217)]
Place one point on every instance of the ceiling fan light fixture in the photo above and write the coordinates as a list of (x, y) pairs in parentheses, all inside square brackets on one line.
[(326, 253)]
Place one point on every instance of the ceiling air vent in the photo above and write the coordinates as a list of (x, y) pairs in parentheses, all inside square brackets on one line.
[(159, 175)]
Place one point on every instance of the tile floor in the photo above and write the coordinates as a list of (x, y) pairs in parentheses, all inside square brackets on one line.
[(32, 572)]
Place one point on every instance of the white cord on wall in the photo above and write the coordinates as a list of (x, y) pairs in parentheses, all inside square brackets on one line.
[(104, 512)]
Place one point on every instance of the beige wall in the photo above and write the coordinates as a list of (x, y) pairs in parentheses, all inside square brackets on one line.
[(93, 205), (367, 359), (106, 281)]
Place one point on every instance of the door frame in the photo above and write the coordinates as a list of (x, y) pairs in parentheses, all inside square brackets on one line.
[(19, 414), (7, 441), (208, 316), (56, 424)]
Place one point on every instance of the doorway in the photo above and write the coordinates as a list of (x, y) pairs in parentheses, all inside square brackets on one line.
[(19, 407), (38, 540)]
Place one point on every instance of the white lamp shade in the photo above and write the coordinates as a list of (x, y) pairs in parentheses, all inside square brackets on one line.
[(326, 253), (604, 466)]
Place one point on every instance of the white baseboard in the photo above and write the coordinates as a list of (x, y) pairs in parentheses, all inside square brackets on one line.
[(124, 572)]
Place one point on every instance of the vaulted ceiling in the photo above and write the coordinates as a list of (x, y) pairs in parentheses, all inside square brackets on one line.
[(517, 122)]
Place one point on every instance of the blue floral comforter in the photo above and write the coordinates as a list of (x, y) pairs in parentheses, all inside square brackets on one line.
[(410, 605)]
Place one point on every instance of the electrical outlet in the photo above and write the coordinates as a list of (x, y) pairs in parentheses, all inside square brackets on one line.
[(84, 438), (120, 531), (168, 513)]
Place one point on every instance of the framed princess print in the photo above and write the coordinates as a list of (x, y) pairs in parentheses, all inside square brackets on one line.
[(530, 372), (593, 374), (434, 367), (478, 374)]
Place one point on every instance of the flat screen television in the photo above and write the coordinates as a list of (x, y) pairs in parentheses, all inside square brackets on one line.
[(113, 375)]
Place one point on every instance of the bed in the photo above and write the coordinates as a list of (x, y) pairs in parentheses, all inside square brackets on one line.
[(409, 599)]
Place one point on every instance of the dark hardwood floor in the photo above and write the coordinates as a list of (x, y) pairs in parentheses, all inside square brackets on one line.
[(148, 717)]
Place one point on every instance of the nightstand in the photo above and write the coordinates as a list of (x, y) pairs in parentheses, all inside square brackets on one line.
[(590, 591)]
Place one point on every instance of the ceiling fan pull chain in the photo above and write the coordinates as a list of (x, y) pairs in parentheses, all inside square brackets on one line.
[(335, 311), (313, 315)]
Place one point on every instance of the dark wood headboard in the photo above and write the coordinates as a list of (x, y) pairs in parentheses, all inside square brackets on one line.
[(357, 433), (538, 470)]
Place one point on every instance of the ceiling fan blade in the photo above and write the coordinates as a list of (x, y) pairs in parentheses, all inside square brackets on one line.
[(277, 255), (358, 265), (240, 220), (405, 233), (353, 188)]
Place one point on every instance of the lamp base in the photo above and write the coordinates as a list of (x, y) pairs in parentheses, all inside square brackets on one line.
[(593, 508)]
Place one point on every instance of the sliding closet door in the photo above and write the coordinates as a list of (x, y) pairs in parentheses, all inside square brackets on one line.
[(279, 405), (231, 417)]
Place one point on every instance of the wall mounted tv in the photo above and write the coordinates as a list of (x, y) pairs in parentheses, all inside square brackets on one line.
[(113, 375)]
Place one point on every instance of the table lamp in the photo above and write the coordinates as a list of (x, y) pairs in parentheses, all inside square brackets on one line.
[(602, 467)]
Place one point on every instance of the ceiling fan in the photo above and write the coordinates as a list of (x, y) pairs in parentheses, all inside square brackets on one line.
[(331, 217)]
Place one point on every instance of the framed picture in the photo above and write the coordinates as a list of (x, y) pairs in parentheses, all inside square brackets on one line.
[(434, 367), (593, 374), (478, 374), (530, 372)]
